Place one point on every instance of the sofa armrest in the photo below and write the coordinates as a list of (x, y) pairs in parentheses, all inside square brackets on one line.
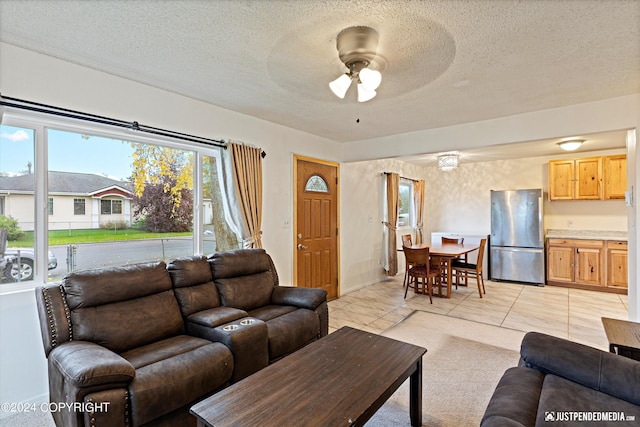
[(85, 364), (309, 298), (606, 372)]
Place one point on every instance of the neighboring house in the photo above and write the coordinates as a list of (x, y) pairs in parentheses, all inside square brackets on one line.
[(76, 200)]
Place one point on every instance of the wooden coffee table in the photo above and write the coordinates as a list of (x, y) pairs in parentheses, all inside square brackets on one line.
[(623, 336), (341, 379)]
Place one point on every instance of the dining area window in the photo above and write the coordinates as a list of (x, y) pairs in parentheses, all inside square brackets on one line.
[(405, 203)]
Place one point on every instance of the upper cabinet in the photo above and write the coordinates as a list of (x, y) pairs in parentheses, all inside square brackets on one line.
[(593, 178), (615, 176)]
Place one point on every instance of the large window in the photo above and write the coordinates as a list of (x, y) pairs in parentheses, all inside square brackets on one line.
[(109, 199), (405, 203), (17, 203)]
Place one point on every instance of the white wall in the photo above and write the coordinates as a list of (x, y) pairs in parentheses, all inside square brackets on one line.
[(361, 215), (31, 76)]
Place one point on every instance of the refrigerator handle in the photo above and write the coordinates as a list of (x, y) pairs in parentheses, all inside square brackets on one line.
[(540, 202)]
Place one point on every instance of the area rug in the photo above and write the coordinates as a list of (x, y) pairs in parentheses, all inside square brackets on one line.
[(463, 364)]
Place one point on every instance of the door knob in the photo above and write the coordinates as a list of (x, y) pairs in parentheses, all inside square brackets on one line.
[(301, 246)]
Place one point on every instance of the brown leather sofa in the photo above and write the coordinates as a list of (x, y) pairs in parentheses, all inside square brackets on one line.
[(563, 383), (150, 340)]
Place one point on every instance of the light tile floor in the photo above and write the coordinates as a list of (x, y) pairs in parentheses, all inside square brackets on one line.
[(567, 313)]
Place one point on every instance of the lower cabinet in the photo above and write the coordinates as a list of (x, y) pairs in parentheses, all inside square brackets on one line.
[(617, 262), (561, 262), (587, 264)]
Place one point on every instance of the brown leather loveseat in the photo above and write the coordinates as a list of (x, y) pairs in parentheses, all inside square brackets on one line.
[(131, 346)]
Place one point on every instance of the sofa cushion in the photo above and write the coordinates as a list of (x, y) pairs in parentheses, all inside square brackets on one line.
[(239, 262), (560, 396), (174, 373), (515, 398), (246, 292), (105, 302), (193, 299), (292, 331), (90, 288), (189, 271), (129, 324), (193, 284)]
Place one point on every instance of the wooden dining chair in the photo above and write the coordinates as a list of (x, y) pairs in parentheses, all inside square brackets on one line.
[(472, 270), (406, 241), (418, 259), (455, 241)]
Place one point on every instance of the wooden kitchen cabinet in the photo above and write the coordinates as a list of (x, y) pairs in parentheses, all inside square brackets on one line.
[(614, 171), (589, 267), (575, 179), (560, 262), (617, 262), (587, 264), (561, 179), (588, 178)]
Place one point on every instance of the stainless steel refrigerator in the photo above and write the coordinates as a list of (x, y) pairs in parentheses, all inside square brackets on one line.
[(516, 249)]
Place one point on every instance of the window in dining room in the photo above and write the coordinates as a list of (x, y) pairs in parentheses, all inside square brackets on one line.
[(405, 203)]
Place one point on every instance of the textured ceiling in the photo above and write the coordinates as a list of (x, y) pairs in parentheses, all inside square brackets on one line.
[(443, 62)]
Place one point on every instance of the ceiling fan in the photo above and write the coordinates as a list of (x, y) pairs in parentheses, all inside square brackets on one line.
[(357, 47)]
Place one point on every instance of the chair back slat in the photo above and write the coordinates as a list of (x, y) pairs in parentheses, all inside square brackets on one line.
[(455, 240)]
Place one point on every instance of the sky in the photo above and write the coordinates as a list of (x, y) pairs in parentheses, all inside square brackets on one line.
[(68, 151)]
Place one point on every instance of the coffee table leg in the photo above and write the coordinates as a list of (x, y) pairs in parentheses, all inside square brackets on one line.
[(415, 395)]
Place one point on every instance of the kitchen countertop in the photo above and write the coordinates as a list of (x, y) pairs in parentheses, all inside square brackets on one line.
[(586, 234)]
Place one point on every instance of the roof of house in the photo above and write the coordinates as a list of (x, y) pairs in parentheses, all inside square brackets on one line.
[(65, 182)]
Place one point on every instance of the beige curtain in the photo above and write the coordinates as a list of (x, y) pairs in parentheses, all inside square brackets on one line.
[(418, 202), (393, 185), (242, 176)]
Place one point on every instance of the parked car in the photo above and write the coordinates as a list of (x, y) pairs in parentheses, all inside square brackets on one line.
[(22, 262)]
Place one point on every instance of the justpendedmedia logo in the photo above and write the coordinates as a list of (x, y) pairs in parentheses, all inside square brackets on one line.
[(588, 416)]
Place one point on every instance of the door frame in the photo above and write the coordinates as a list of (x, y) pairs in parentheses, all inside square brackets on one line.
[(294, 237)]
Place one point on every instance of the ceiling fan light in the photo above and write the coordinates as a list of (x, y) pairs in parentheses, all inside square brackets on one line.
[(365, 95), (571, 145), (340, 85), (370, 79)]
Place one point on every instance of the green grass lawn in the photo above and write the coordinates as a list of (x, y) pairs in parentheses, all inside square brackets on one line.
[(65, 237)]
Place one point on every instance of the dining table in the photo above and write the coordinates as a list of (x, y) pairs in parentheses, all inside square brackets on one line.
[(448, 251)]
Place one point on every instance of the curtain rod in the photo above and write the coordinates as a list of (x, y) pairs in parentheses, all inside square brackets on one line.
[(403, 177), (58, 111)]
